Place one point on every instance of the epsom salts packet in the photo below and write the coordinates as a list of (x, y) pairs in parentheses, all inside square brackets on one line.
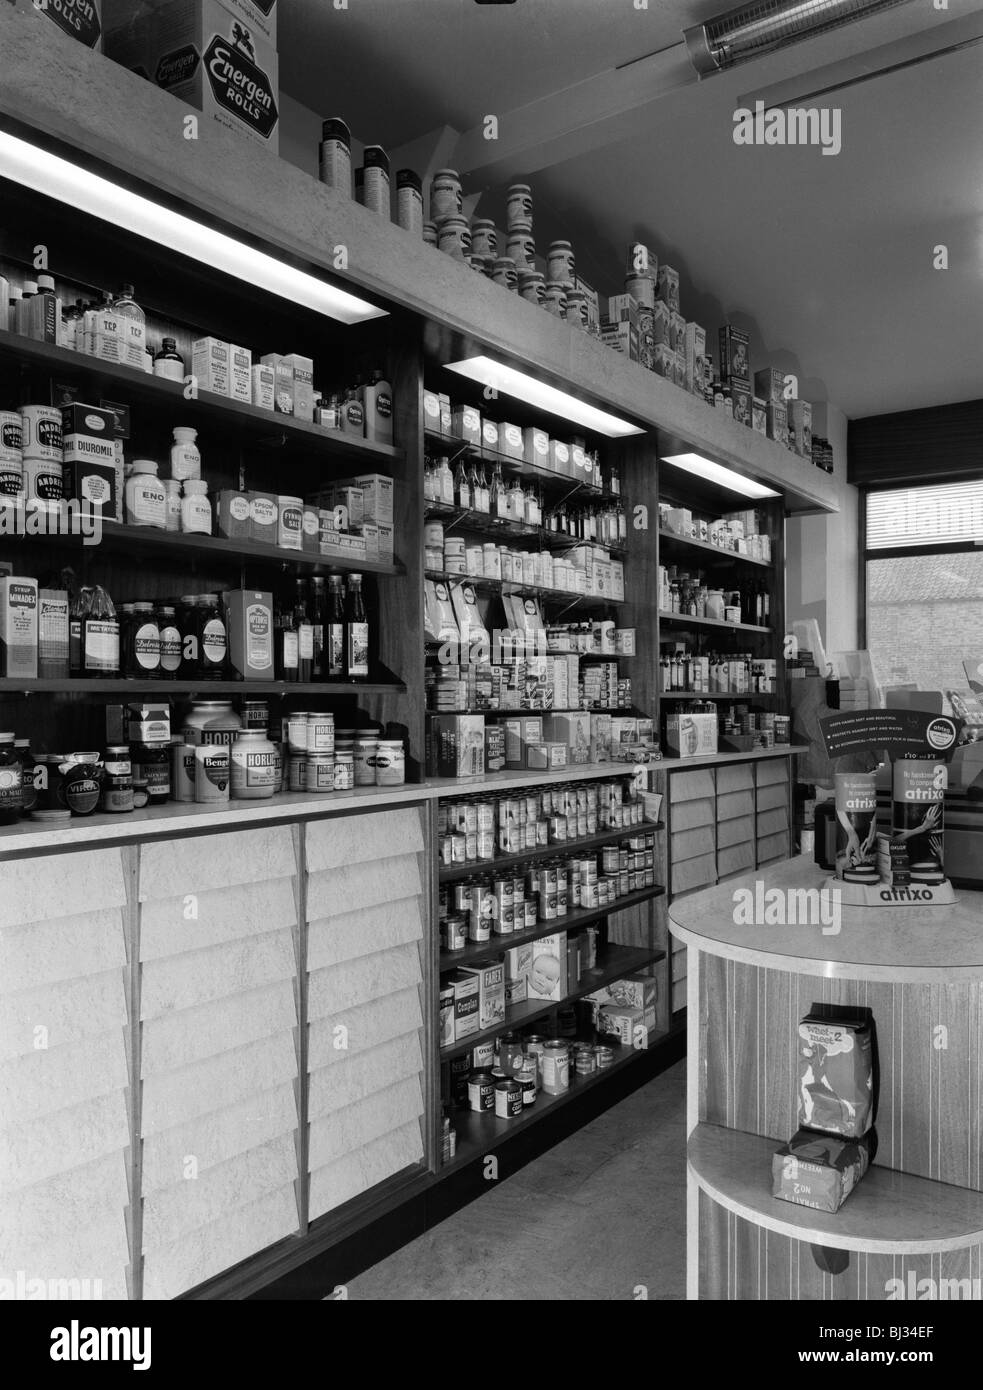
[(836, 1076)]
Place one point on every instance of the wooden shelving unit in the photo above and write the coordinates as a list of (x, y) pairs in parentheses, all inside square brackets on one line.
[(670, 542), (451, 873)]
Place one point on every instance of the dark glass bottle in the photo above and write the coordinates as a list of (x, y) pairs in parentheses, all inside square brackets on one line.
[(356, 632), (319, 622), (334, 639), (187, 620), (76, 617), (170, 642), (140, 637), (287, 644), (100, 637), (305, 633), (213, 639)]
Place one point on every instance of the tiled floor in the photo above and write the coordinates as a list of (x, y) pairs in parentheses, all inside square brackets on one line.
[(601, 1216)]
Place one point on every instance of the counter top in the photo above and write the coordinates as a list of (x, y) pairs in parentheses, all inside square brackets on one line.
[(178, 818), (906, 945)]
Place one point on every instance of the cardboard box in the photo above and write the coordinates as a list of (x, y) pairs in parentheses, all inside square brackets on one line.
[(559, 457), (769, 384), (263, 387), (490, 975), (800, 421), (97, 483), (353, 501), (494, 748), (696, 352), (573, 731), (232, 514), (818, 1170), (283, 381), (249, 615), (623, 308), (377, 497), (735, 360), (210, 363), (518, 960), (777, 421), (547, 978), (665, 361), (667, 288), (691, 735), (489, 435), (53, 650), (759, 415), (536, 446), (627, 1025), (80, 19), (458, 745), (661, 324), (148, 723), (241, 374), (18, 626), (303, 385), (741, 398), (466, 423), (622, 337), (386, 540), (466, 1003)]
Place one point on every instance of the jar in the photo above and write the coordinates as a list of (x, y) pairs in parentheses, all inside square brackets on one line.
[(484, 238), (152, 766), (255, 714), (365, 752), (454, 237), (344, 769), (555, 299), (642, 288), (290, 523), (320, 733), (144, 496), (141, 794), (196, 510), (430, 234), (409, 202), (81, 783), (29, 789), (527, 1080), (577, 309), (320, 773), (518, 204), (47, 780), (182, 769), (446, 197), (297, 772), (172, 504), (715, 604), (505, 274), (253, 772), (211, 721), (390, 763), (211, 774), (185, 456), (532, 286), (168, 362), (141, 648), (117, 781), (521, 248), (213, 644), (560, 264), (170, 642), (297, 731), (11, 781)]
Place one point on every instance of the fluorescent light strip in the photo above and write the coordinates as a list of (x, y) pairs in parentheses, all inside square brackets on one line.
[(717, 473), (526, 388), (58, 178)]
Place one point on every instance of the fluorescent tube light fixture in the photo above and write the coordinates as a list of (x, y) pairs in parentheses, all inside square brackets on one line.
[(58, 178), (761, 27), (526, 388), (717, 473)]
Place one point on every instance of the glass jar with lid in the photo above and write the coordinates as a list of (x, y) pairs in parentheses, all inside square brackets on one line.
[(253, 766), (211, 721)]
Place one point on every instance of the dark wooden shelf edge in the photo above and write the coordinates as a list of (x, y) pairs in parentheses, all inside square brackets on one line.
[(587, 842), (11, 685), (707, 548)]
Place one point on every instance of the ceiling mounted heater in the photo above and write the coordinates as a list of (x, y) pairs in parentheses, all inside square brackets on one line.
[(754, 30)]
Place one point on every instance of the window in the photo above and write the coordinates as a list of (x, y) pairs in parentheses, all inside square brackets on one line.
[(924, 584)]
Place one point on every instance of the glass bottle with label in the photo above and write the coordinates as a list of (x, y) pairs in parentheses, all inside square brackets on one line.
[(498, 498), (463, 496), (287, 645), (170, 642), (319, 621), (445, 481), (187, 620), (334, 638), (378, 403), (141, 644), (79, 608), (305, 633), (213, 638), (353, 414), (356, 632), (480, 499), (168, 362), (100, 637)]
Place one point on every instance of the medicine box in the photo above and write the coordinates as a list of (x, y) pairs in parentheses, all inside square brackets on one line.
[(303, 385), (547, 977), (466, 423), (377, 497), (536, 447), (691, 735), (489, 435), (241, 374), (232, 514), (210, 365), (559, 457), (510, 441), (466, 989), (263, 387), (18, 626), (490, 975), (264, 514), (458, 745), (283, 381), (249, 614)]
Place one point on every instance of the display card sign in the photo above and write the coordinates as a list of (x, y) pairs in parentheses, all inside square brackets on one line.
[(904, 733)]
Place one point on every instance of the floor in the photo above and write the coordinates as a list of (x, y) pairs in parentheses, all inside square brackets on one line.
[(600, 1216)]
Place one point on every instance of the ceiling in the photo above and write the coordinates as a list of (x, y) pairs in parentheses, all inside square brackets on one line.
[(828, 261)]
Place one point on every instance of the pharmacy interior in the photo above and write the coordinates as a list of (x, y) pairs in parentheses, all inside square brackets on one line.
[(440, 579)]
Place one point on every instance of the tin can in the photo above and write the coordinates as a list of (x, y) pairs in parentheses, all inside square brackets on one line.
[(297, 726), (344, 770), (320, 733), (446, 197), (518, 205), (532, 286), (409, 202), (483, 1056), (555, 299), (455, 934), (527, 1080), (584, 1060), (521, 247), (505, 273), (365, 753), (430, 234), (319, 773), (508, 1099), (481, 1091), (560, 264), (454, 237), (212, 770), (297, 772), (556, 1067), (604, 1055), (390, 763), (41, 433), (182, 771), (484, 238)]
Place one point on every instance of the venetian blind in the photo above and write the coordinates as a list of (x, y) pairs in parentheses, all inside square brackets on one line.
[(913, 516)]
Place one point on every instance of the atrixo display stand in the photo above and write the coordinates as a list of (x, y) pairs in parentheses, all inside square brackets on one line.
[(915, 1222), (917, 895)]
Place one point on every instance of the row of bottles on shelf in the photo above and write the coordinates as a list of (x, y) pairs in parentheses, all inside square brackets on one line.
[(516, 499), (718, 673), (690, 594), (316, 630)]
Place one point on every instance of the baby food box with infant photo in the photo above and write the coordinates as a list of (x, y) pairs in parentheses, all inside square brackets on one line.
[(548, 969)]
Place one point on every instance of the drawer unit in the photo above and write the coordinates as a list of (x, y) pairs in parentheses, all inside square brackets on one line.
[(772, 822), (735, 832), (687, 844), (694, 873), (772, 847), (772, 771), (731, 805), (735, 860), (772, 796), (737, 778), (689, 786), (691, 814)]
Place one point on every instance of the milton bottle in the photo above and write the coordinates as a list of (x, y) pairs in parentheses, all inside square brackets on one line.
[(334, 633), (356, 632), (378, 401)]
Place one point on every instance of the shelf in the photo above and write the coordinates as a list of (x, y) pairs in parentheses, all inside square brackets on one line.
[(480, 1134), (547, 476), (483, 524), (451, 873), (119, 538), (479, 950), (616, 962), (714, 695), (626, 710), (162, 689), (510, 586), (235, 419), (684, 621), (670, 539), (889, 1213)]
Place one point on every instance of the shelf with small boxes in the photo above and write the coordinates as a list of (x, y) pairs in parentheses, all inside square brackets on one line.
[(671, 543), (688, 620)]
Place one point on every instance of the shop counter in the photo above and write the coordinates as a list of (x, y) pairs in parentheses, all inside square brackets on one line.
[(918, 1213)]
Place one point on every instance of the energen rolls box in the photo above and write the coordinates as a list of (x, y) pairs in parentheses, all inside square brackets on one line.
[(735, 362), (18, 626), (78, 18), (818, 1170), (249, 614)]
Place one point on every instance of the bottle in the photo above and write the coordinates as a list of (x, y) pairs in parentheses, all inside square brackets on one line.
[(187, 621), (480, 501), (100, 637), (185, 457), (319, 622), (11, 781), (378, 403), (142, 644), (168, 362), (213, 638), (334, 636), (516, 500), (353, 414), (498, 495), (24, 309), (287, 645), (445, 481), (196, 510), (29, 790), (335, 156), (170, 642), (133, 330), (46, 311), (463, 496), (172, 504), (305, 634), (144, 495), (356, 632), (76, 617)]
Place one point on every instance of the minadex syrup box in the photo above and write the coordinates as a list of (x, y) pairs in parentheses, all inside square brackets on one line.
[(18, 626), (490, 975), (249, 614)]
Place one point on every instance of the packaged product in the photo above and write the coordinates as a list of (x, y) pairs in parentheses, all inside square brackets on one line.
[(836, 1072), (819, 1170)]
